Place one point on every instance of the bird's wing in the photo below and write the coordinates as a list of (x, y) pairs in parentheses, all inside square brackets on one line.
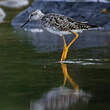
[(77, 24), (64, 23), (60, 22)]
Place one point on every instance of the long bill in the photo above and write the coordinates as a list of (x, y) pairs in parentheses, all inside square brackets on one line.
[(25, 23)]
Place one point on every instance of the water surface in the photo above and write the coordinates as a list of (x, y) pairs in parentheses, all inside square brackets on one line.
[(29, 77)]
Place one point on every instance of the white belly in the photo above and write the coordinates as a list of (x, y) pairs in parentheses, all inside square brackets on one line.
[(62, 32)]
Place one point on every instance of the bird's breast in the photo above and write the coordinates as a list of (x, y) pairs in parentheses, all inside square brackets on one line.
[(60, 33)]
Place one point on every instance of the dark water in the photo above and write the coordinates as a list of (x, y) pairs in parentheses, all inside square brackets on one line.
[(31, 79)]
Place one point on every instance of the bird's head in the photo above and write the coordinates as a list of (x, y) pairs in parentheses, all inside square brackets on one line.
[(34, 16)]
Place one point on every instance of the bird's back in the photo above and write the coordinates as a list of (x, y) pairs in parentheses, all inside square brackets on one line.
[(57, 22)]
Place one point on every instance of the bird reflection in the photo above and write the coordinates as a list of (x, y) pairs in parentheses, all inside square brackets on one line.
[(62, 98), (66, 76)]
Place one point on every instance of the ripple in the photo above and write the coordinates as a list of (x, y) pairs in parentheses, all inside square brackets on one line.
[(83, 61)]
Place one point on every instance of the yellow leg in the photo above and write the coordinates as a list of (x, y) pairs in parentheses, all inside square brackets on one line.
[(66, 76), (65, 50), (65, 79)]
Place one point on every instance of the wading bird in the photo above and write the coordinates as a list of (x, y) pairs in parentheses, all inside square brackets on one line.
[(60, 25)]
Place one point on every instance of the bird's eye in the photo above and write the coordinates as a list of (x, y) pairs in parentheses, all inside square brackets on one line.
[(31, 15)]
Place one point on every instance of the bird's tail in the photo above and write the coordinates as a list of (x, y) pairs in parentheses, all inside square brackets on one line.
[(94, 27)]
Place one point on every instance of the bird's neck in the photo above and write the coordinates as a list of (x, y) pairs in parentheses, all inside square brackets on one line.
[(42, 15)]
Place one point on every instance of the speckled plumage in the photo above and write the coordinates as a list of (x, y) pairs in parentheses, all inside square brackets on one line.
[(57, 23), (61, 24)]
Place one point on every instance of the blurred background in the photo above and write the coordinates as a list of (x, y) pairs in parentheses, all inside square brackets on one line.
[(31, 76)]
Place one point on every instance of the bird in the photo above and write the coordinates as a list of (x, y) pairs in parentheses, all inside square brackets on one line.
[(60, 25)]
